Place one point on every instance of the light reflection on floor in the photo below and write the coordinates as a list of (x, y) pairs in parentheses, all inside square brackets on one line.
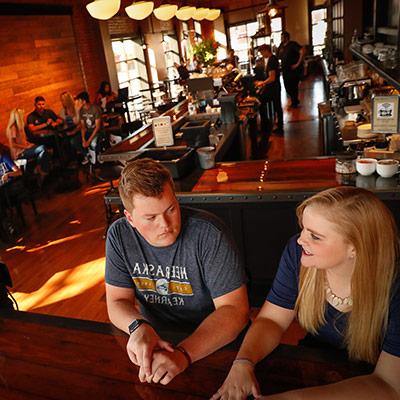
[(63, 285), (63, 240)]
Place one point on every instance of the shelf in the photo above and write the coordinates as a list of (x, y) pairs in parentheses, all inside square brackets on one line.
[(392, 76), (388, 31)]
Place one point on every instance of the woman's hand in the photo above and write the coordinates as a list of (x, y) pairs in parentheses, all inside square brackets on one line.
[(239, 384)]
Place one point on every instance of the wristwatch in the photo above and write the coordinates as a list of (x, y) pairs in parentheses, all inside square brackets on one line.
[(135, 324)]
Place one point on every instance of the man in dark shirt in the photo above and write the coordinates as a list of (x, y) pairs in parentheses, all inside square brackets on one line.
[(291, 55), (42, 122), (91, 127), (270, 88)]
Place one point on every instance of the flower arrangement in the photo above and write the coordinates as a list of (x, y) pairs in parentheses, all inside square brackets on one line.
[(206, 51)]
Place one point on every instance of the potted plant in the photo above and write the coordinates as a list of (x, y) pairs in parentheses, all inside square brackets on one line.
[(206, 52)]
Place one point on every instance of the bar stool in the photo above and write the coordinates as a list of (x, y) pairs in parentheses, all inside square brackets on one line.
[(108, 172)]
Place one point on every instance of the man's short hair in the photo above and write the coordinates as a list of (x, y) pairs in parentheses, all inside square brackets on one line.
[(39, 98), (145, 177), (83, 96), (286, 35), (265, 47)]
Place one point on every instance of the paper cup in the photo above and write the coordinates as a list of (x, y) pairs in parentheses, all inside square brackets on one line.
[(206, 157)]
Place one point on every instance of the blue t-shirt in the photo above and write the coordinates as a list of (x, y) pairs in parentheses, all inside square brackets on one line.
[(6, 165), (284, 293), (175, 285)]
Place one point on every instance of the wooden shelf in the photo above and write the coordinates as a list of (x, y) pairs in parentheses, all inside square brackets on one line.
[(392, 76)]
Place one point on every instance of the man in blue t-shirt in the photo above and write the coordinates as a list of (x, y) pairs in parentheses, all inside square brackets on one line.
[(172, 269), (7, 169)]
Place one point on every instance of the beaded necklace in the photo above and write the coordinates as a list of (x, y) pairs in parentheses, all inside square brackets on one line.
[(336, 300)]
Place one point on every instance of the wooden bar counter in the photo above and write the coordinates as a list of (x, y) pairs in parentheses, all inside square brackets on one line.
[(46, 357)]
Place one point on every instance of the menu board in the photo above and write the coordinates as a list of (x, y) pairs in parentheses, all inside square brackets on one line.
[(162, 130), (385, 114)]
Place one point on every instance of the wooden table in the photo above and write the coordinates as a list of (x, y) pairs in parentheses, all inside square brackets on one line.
[(47, 357)]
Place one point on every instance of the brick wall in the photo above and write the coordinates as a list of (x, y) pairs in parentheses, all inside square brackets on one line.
[(47, 54)]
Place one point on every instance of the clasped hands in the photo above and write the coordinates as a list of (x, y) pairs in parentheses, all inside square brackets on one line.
[(158, 360)]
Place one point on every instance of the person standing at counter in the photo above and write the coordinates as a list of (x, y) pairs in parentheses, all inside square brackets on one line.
[(170, 269), (91, 126), (340, 278), (270, 88), (291, 55)]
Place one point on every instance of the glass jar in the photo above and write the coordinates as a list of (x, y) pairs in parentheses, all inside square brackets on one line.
[(346, 162)]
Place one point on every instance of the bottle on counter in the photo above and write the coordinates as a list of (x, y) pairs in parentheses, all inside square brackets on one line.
[(191, 105)]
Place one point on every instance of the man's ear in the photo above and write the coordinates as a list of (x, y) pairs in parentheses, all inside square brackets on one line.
[(129, 218)]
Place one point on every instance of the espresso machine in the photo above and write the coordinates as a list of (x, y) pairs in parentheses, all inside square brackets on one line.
[(353, 91)]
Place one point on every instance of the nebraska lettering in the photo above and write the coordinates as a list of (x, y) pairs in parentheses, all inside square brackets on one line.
[(170, 301), (168, 272)]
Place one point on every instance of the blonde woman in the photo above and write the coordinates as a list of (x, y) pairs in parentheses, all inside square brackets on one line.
[(19, 145), (72, 126), (340, 279)]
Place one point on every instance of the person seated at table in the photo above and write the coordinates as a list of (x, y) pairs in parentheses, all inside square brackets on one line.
[(20, 148), (105, 95), (91, 126), (72, 126), (170, 269), (8, 169), (340, 278), (42, 123)]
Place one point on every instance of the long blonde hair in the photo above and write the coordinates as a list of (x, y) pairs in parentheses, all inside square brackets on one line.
[(69, 104), (368, 225)]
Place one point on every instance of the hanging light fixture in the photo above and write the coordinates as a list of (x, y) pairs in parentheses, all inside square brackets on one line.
[(103, 9), (200, 13), (185, 13), (140, 10), (213, 14), (165, 11)]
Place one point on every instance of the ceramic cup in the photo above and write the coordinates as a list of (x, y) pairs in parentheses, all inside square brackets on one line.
[(387, 168), (366, 166)]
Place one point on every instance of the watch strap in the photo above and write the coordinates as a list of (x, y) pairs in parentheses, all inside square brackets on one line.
[(135, 325)]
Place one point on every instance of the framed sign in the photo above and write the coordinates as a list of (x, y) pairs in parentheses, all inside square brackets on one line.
[(162, 130), (385, 114)]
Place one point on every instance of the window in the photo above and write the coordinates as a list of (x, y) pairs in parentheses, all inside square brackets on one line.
[(276, 31), (240, 41), (171, 51), (318, 30), (131, 69)]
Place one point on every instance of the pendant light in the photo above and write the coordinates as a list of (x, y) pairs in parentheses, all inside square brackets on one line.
[(213, 14), (200, 13), (140, 10), (165, 11), (103, 9), (185, 13)]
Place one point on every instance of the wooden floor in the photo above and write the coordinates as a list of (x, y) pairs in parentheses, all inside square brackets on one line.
[(57, 265)]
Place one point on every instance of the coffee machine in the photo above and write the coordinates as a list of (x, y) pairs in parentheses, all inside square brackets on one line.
[(353, 91)]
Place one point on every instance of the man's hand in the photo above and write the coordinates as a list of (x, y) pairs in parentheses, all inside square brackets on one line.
[(140, 347), (166, 366), (5, 178), (294, 66), (239, 384)]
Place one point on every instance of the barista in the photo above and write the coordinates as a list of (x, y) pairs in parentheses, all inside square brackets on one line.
[(270, 88)]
